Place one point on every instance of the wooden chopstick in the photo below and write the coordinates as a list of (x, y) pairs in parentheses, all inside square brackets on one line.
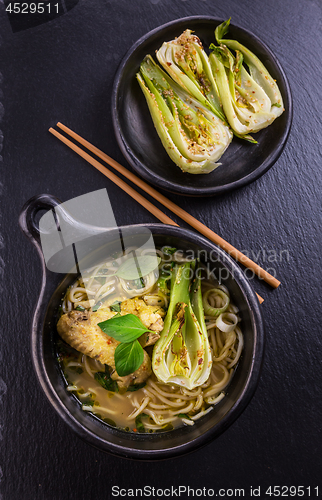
[(134, 194), (236, 254), (119, 182)]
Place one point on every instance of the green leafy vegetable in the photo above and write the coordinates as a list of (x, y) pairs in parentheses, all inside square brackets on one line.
[(169, 250), (182, 354), (128, 355), (128, 358), (104, 379), (162, 283), (138, 422), (258, 71), (193, 136), (183, 415), (249, 99), (138, 267), (188, 64), (116, 307), (80, 308), (135, 387), (88, 402), (123, 328), (96, 306)]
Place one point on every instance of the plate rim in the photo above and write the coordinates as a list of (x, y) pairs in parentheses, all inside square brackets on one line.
[(214, 190)]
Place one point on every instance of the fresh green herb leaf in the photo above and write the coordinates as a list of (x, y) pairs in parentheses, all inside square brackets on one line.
[(169, 250), (136, 268), (123, 328), (104, 379), (138, 422), (80, 308), (88, 402), (116, 306), (135, 387), (96, 306), (128, 357), (183, 415)]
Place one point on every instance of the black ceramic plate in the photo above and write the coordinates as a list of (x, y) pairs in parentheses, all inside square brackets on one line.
[(242, 163)]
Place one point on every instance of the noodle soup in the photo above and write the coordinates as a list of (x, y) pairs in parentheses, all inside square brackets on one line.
[(146, 403)]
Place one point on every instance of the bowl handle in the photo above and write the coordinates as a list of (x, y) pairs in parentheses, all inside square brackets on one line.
[(27, 218)]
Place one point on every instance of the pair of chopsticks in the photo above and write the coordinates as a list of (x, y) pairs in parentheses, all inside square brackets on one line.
[(215, 238)]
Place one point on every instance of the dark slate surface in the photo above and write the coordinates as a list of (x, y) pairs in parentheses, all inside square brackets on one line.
[(63, 70)]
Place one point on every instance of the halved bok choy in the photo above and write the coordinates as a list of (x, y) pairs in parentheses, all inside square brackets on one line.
[(251, 99), (182, 355), (193, 136), (187, 63)]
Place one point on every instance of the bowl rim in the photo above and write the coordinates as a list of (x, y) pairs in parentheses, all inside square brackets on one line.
[(162, 182), (37, 350)]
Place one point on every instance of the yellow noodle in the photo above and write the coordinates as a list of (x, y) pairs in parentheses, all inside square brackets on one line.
[(140, 409)]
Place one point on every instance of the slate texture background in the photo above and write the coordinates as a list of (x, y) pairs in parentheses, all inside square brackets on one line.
[(63, 71)]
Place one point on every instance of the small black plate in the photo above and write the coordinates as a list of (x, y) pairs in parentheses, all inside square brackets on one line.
[(242, 162)]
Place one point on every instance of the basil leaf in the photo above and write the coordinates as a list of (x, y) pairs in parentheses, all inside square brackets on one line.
[(123, 328), (128, 358), (116, 307), (138, 267), (135, 387), (104, 379)]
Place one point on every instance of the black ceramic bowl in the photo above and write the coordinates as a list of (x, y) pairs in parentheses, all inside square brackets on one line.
[(91, 429), (242, 162)]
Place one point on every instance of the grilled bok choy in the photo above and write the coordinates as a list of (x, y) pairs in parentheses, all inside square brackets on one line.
[(188, 64), (182, 355), (193, 136), (251, 100)]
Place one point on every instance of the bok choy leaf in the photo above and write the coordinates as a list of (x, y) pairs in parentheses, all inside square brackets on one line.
[(188, 64), (182, 354), (251, 99), (193, 136)]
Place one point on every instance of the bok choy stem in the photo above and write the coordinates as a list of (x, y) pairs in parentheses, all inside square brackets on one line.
[(182, 355), (251, 100), (192, 135)]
